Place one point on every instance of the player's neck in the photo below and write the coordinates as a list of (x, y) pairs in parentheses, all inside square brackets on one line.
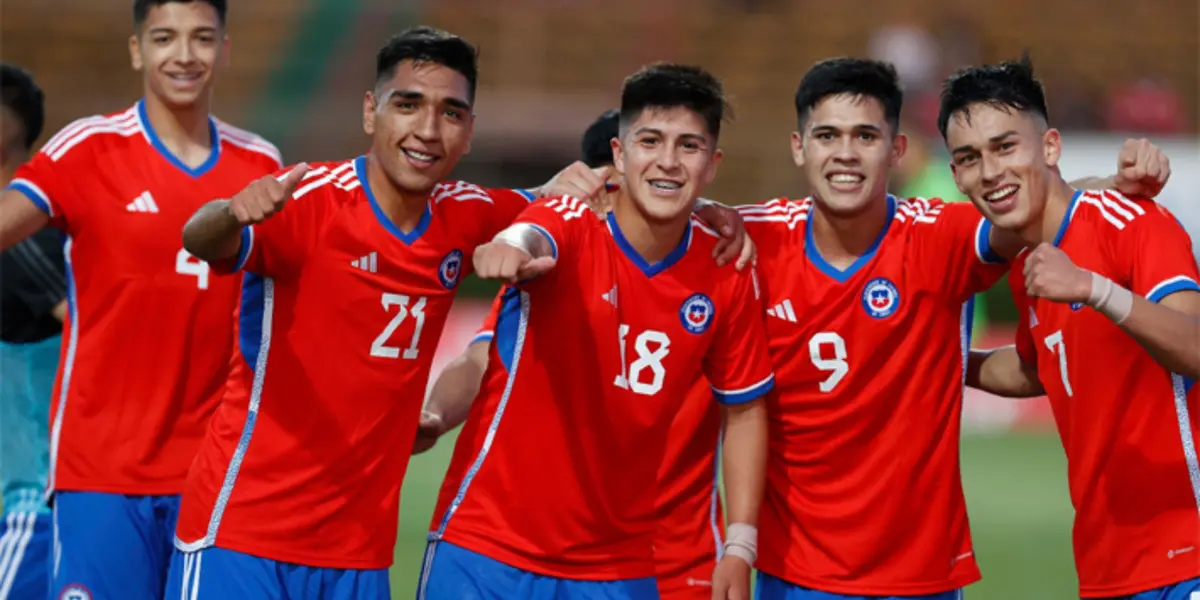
[(653, 241), (841, 240), (403, 209), (1058, 202), (184, 130)]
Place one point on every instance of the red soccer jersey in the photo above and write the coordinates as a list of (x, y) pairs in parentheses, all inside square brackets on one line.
[(148, 330), (863, 490), (690, 524), (1128, 425), (341, 312), (556, 469)]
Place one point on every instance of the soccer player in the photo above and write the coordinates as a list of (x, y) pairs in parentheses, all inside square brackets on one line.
[(33, 291), (147, 341), (552, 487), (690, 527), (1110, 325), (863, 406)]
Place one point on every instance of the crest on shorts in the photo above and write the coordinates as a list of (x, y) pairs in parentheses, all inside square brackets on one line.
[(450, 271), (697, 312), (75, 591), (880, 298)]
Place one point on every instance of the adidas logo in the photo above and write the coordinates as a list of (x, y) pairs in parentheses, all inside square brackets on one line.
[(784, 311), (143, 203), (610, 296), (367, 263)]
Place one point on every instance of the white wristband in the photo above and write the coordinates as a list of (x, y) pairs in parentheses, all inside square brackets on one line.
[(741, 540), (1110, 299), (524, 236)]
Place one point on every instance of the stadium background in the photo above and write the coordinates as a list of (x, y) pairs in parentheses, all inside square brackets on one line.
[(299, 68)]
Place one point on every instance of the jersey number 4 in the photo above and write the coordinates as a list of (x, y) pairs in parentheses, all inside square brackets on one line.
[(186, 264), (651, 347), (379, 347)]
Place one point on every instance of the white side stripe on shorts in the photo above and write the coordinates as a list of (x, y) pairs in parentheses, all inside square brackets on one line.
[(12, 548)]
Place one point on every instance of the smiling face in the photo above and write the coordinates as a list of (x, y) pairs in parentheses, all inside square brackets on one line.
[(847, 150), (420, 122), (1004, 160), (178, 48), (667, 156)]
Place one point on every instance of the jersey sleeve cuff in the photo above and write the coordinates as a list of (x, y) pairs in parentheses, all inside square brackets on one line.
[(549, 238), (745, 394), (983, 244), (238, 262), (1179, 283), (528, 195), (34, 193), (482, 336)]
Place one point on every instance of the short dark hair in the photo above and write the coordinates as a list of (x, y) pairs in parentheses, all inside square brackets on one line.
[(853, 76), (21, 94), (666, 85), (1009, 85), (141, 8), (596, 147), (428, 45)]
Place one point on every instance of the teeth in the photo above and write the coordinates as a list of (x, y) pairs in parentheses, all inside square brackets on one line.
[(845, 178), (665, 185), (1000, 193), (419, 155)]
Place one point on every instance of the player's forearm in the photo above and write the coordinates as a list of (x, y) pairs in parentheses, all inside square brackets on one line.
[(213, 233), (1169, 331), (745, 459), (528, 238), (457, 385), (1001, 371), (19, 218)]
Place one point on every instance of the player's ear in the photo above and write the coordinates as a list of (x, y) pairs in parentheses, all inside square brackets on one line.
[(618, 155), (135, 52), (899, 147), (798, 148), (370, 104), (1052, 146)]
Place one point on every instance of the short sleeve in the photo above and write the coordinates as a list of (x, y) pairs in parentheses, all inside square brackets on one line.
[(954, 245), (557, 219), (738, 366), (488, 329), (277, 247), (1025, 315), (506, 205), (1155, 252), (47, 178)]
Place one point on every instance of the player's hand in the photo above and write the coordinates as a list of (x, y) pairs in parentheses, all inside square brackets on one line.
[(429, 429), (507, 263), (1050, 274), (580, 181), (1142, 169), (731, 579), (265, 196), (734, 242)]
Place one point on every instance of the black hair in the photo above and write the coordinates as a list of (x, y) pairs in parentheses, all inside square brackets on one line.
[(858, 77), (21, 94), (1008, 86), (141, 8), (596, 148), (665, 85), (428, 45)]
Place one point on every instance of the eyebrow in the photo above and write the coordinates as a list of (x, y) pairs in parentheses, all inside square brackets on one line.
[(415, 95), (658, 132), (859, 127), (992, 140), (205, 29)]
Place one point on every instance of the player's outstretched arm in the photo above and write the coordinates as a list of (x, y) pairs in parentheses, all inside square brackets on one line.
[(520, 252), (1142, 170), (1169, 329), (19, 218), (452, 395), (745, 460), (1001, 371), (214, 233)]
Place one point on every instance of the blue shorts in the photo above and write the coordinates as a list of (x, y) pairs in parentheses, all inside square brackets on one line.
[(454, 573), (219, 574), (1176, 591), (111, 545), (770, 587), (26, 551)]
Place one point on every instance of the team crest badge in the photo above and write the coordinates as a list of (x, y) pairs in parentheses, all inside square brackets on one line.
[(75, 592), (880, 298), (450, 271), (696, 314), (1076, 305)]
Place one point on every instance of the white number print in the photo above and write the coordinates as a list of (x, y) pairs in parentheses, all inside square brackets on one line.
[(631, 378), (379, 347), (186, 264), (836, 366), (1054, 342)]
